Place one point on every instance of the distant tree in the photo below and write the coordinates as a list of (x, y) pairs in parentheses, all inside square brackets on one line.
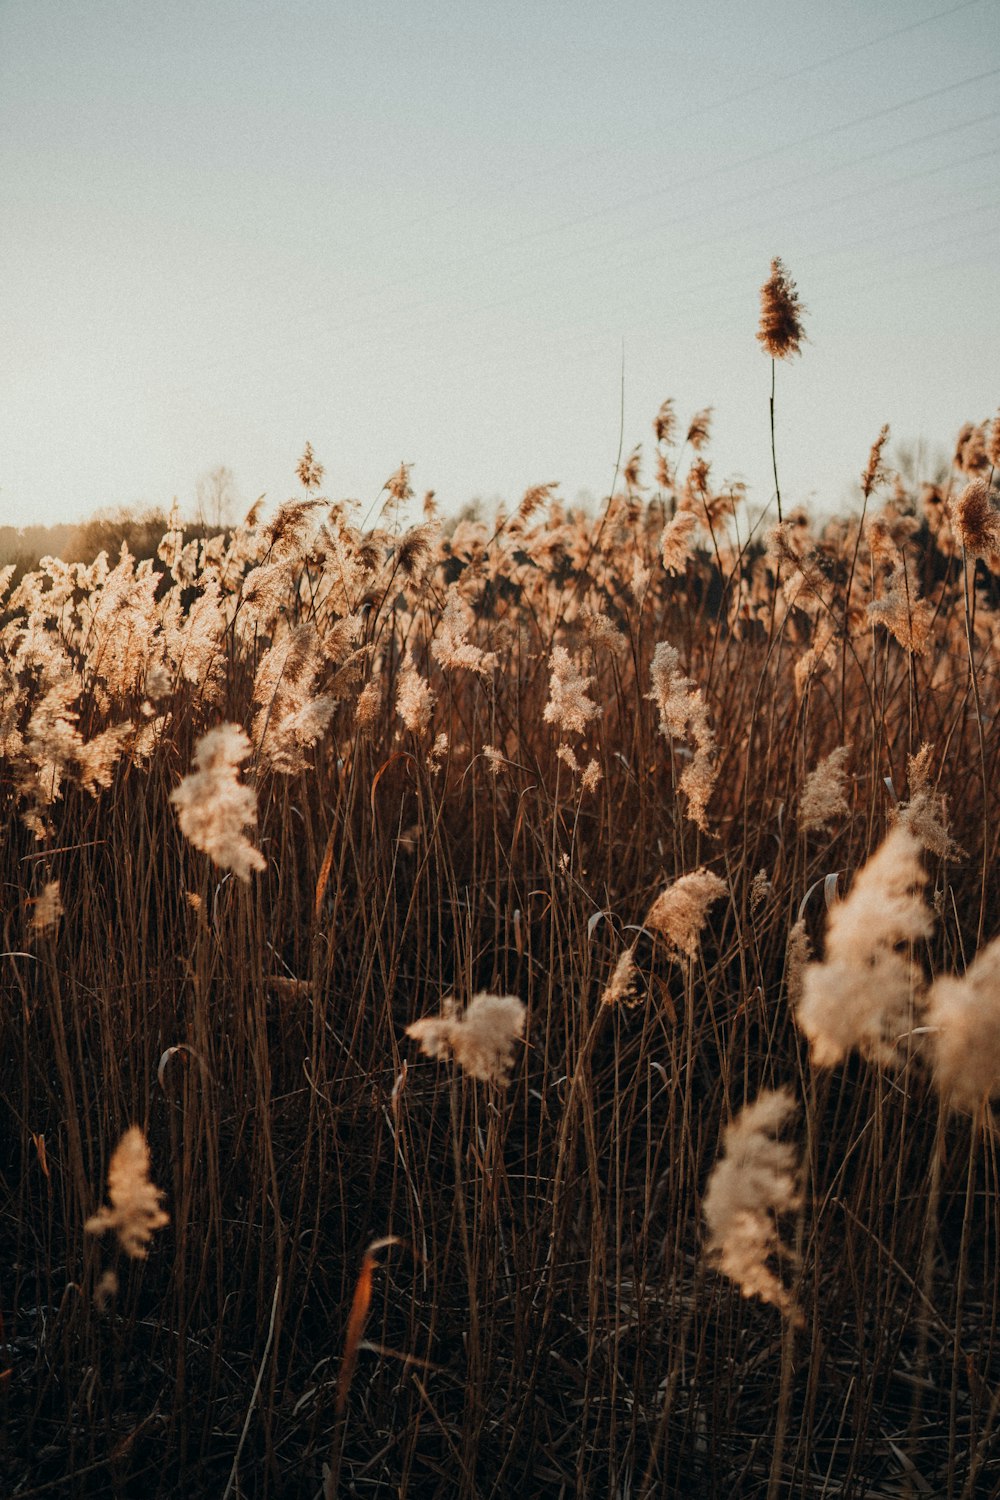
[(25, 546), (217, 499), (105, 531), (918, 463)]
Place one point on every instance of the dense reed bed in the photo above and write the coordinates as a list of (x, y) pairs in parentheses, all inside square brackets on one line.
[(709, 809)]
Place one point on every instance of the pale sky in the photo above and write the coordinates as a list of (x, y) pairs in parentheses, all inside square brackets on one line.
[(426, 231)]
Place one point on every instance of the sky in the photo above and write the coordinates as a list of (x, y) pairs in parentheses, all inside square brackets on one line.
[(485, 240)]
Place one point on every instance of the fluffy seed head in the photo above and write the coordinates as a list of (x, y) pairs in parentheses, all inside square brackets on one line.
[(977, 519), (568, 705), (683, 714), (620, 989), (414, 699), (309, 469), (781, 312), (874, 471), (135, 1210), (665, 423), (481, 1041), (675, 541), (926, 813), (824, 796), (699, 429), (861, 995), (755, 1182), (993, 445), (214, 807), (679, 912), (970, 449), (48, 909), (964, 1017)]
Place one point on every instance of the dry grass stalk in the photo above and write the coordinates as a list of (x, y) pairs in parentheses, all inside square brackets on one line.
[(388, 877), (360, 1306)]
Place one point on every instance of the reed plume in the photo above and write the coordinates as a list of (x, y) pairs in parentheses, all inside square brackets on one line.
[(781, 313), (481, 1040), (679, 913), (135, 1210), (48, 909), (214, 807), (414, 699), (824, 796), (925, 814), (620, 989), (862, 994), (309, 469), (754, 1184), (977, 519), (780, 333), (963, 1017), (569, 706), (683, 714)]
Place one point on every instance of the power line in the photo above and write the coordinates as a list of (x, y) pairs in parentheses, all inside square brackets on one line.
[(708, 289), (392, 315), (697, 112), (364, 319)]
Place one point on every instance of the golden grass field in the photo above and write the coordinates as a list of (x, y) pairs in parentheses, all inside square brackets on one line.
[(671, 836)]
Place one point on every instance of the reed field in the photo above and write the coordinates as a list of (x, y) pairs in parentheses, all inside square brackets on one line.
[(509, 1007)]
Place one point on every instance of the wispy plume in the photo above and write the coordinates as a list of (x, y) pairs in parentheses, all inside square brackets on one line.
[(862, 994), (481, 1040), (569, 706), (977, 519), (754, 1184), (213, 805), (781, 313), (824, 796), (48, 909), (925, 815), (683, 715), (621, 987), (963, 1018), (679, 913), (414, 699), (135, 1210)]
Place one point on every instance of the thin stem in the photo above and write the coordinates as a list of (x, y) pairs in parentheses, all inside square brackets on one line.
[(982, 743), (774, 456)]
